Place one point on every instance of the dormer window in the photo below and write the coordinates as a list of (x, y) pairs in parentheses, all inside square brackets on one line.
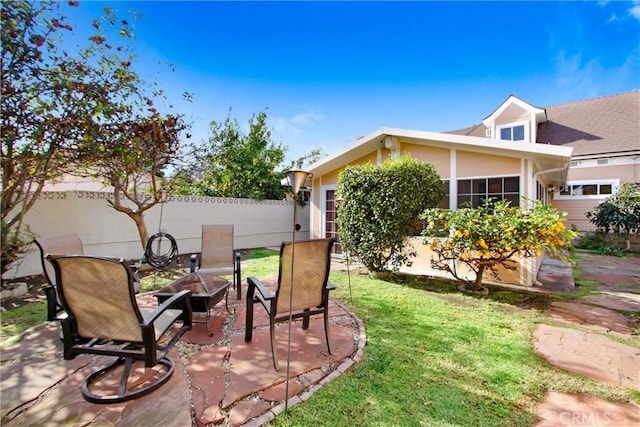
[(514, 132)]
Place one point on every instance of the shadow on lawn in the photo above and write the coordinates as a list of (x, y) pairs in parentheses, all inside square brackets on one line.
[(519, 298)]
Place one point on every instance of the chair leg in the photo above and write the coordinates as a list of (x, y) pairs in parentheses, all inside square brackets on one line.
[(237, 284), (248, 327), (326, 328), (305, 319), (274, 352)]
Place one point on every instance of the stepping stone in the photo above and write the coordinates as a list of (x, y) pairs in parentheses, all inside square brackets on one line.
[(576, 409), (592, 355), (588, 315), (615, 301)]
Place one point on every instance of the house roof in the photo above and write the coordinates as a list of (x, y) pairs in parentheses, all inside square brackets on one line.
[(606, 125), (546, 157), (596, 127)]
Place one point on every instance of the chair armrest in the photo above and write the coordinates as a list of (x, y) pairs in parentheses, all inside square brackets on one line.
[(192, 267), (330, 286), (255, 283), (53, 307), (182, 295)]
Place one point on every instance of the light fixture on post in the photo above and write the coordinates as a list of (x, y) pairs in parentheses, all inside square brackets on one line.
[(297, 178), (163, 195), (340, 202)]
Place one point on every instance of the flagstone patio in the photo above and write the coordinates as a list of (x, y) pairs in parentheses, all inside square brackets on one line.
[(217, 380)]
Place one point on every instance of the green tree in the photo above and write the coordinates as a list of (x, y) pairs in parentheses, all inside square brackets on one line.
[(132, 157), (619, 212), (59, 103), (494, 234), (382, 206), (34, 130), (307, 159), (235, 164)]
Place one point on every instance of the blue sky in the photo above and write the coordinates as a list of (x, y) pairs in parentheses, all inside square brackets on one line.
[(329, 72)]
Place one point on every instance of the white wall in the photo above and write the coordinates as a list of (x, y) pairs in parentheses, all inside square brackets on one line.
[(106, 232)]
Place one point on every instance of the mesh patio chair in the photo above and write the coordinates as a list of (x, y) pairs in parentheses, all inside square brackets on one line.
[(103, 318), (64, 244), (217, 254), (311, 286)]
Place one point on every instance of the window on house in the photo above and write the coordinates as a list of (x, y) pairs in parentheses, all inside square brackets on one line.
[(588, 189), (471, 192), (513, 133)]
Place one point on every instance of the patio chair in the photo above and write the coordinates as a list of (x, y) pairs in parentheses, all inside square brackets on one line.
[(64, 244), (103, 318), (217, 254), (311, 286)]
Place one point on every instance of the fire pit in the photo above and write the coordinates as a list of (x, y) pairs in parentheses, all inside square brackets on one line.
[(207, 290)]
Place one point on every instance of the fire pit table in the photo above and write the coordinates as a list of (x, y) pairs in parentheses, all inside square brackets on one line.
[(207, 290)]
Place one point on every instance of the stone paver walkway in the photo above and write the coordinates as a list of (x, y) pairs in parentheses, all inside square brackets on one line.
[(588, 348)]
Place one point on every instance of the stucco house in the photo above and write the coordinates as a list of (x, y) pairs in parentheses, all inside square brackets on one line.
[(570, 155)]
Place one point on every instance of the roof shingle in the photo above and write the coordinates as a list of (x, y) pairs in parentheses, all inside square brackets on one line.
[(605, 125)]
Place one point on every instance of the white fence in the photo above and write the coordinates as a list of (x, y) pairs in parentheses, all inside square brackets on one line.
[(106, 232)]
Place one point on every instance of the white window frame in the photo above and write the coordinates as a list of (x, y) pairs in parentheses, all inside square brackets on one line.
[(512, 125), (615, 183), (487, 178)]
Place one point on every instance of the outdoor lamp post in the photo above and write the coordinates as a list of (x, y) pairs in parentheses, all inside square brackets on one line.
[(163, 194), (296, 178), (340, 202)]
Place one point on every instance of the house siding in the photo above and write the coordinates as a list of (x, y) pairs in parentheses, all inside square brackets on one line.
[(513, 114), (587, 131), (471, 165), (439, 157), (626, 173), (576, 212)]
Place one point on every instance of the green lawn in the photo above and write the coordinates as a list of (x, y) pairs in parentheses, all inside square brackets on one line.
[(434, 357), (440, 359)]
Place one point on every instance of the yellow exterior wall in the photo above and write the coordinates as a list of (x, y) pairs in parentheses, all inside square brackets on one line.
[(436, 156), (474, 164), (468, 165)]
